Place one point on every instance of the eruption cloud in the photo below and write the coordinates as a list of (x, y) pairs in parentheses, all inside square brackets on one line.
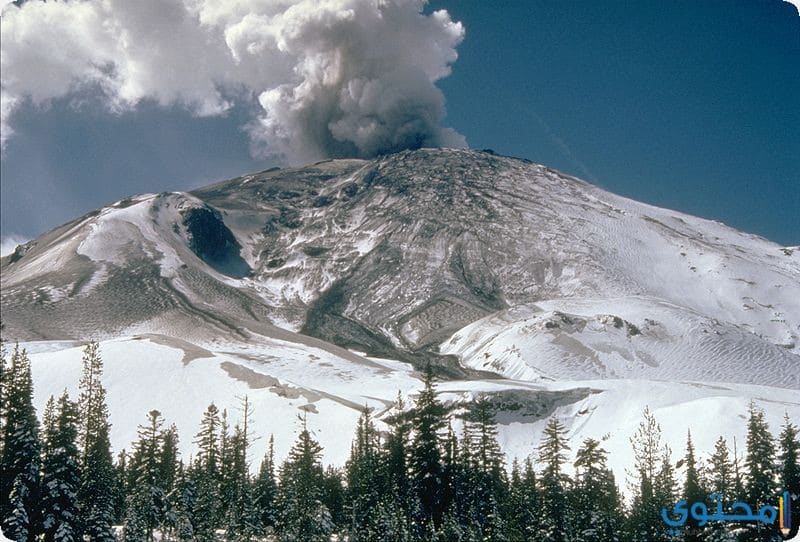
[(325, 78)]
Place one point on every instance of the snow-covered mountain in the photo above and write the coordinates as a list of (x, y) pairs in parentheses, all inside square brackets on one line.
[(323, 288)]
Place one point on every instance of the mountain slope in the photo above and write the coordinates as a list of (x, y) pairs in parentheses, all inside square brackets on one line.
[(393, 256)]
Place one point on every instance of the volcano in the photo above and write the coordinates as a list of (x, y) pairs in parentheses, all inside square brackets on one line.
[(327, 287)]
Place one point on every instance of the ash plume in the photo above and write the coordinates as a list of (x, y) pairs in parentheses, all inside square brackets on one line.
[(326, 78)]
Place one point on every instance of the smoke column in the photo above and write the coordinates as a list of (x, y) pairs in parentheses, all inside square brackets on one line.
[(326, 78)]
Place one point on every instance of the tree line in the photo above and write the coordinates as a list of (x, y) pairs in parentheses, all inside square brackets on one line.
[(420, 480)]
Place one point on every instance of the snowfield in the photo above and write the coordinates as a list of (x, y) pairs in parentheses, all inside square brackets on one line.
[(285, 381)]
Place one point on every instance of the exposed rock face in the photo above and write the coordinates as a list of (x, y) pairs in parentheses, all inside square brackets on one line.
[(213, 242)]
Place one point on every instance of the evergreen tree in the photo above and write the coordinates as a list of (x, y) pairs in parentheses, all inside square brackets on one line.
[(225, 466), (146, 495), (554, 483), (665, 487), (302, 515), (96, 495), (761, 477), (458, 494), (426, 461), (720, 482), (522, 503), (168, 464), (19, 465), (719, 477), (489, 478), (597, 514), (181, 505), (241, 521), (363, 473), (120, 490), (692, 490), (651, 483), (398, 504), (333, 494), (789, 471), (738, 475), (60, 473), (206, 476), (265, 489), (397, 453)]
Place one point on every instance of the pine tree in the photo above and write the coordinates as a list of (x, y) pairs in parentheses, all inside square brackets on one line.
[(302, 515), (719, 477), (265, 490), (60, 473), (720, 482), (333, 496), (789, 470), (651, 482), (146, 495), (455, 499), (426, 461), (19, 465), (692, 490), (398, 504), (364, 486), (761, 477), (522, 502), (96, 495), (597, 513), (168, 463), (182, 501), (241, 521), (665, 487), (206, 476), (553, 483), (120, 490), (489, 478)]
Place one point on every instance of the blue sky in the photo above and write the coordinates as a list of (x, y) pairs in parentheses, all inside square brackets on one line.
[(688, 105)]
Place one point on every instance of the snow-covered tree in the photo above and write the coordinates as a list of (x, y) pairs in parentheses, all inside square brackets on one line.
[(96, 495), (653, 482), (265, 489), (719, 481), (61, 474), (762, 473), (147, 505), (522, 502), (426, 461), (19, 464), (553, 483), (789, 470), (363, 475), (206, 476), (597, 515), (693, 490), (303, 517)]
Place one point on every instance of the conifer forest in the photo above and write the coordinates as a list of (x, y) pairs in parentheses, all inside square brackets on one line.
[(431, 475)]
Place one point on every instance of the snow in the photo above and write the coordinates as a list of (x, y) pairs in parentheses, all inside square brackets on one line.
[(631, 337), (285, 380)]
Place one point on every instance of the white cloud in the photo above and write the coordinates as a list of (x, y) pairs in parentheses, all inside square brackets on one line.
[(332, 77), (9, 243)]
